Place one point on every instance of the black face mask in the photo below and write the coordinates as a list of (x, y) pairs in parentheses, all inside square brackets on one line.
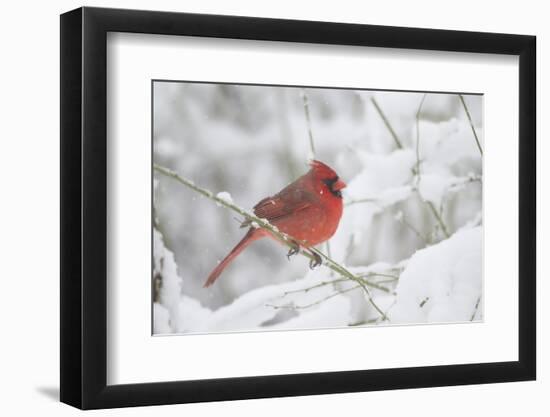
[(330, 183)]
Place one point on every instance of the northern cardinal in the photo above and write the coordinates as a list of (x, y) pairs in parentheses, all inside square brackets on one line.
[(308, 210)]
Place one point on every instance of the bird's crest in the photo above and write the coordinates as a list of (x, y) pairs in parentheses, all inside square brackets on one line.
[(322, 169)]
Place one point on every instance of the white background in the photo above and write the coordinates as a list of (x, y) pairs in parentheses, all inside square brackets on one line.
[(29, 311)]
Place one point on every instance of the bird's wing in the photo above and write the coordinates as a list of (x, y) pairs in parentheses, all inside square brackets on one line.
[(288, 202)]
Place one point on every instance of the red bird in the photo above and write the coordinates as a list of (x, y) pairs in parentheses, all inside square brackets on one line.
[(308, 210)]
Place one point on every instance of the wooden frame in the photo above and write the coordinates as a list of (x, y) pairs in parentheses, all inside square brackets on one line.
[(84, 209)]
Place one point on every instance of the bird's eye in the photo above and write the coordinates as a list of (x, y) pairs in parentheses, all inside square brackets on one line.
[(330, 183)]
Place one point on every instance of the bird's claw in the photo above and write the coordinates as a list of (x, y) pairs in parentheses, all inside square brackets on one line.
[(293, 250), (316, 261)]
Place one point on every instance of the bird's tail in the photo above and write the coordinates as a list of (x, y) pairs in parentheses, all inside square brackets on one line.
[(250, 237)]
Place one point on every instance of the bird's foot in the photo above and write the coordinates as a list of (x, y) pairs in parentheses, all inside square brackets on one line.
[(316, 261), (294, 250)]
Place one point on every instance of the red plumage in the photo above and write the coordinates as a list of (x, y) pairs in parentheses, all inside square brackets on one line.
[(308, 210)]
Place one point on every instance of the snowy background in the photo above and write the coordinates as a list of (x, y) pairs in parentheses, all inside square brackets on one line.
[(412, 222)]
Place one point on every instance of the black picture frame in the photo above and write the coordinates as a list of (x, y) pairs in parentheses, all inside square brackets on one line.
[(84, 207)]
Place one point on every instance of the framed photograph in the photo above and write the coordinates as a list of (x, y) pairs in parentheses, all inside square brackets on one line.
[(257, 208)]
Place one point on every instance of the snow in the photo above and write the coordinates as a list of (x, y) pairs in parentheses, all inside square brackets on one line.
[(165, 266), (161, 319), (433, 187), (441, 283), (448, 142), (381, 172), (262, 304), (383, 181), (191, 315), (333, 312), (225, 196), (253, 309), (475, 221)]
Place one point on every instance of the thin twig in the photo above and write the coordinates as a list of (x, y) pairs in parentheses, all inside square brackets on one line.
[(328, 297), (371, 321), (464, 181), (417, 173), (401, 218), (363, 283), (414, 171), (349, 248), (308, 120), (329, 253), (282, 237), (343, 271), (392, 278), (471, 123), (438, 218), (386, 281), (378, 274), (475, 308), (363, 322), (418, 139), (361, 201), (321, 284), (387, 123)]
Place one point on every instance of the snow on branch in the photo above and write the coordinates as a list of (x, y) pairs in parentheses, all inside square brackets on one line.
[(282, 237)]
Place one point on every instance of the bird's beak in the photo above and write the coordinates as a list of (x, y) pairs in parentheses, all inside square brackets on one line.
[(338, 185)]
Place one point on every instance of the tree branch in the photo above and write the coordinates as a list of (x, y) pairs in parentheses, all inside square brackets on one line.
[(476, 307), (328, 297), (438, 218), (308, 120), (390, 278), (321, 284), (401, 218), (417, 169), (361, 201), (471, 123), (387, 123), (378, 274)]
